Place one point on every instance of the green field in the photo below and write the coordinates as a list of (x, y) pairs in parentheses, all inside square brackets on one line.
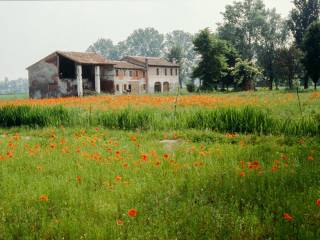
[(142, 173)]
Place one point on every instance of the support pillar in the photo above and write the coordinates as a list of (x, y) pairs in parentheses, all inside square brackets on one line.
[(97, 79), (79, 80)]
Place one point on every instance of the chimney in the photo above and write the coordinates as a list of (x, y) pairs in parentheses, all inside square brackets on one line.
[(174, 61)]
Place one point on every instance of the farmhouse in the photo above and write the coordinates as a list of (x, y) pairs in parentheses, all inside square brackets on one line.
[(77, 74)]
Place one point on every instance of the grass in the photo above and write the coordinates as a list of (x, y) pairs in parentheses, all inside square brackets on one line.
[(233, 172)]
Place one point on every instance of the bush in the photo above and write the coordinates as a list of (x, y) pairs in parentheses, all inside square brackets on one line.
[(191, 87)]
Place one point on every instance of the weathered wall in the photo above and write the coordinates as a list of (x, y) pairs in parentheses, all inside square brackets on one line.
[(44, 80), (173, 79), (106, 78), (136, 81), (42, 75)]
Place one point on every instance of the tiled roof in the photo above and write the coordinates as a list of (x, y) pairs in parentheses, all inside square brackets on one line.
[(153, 61), (85, 58), (126, 65)]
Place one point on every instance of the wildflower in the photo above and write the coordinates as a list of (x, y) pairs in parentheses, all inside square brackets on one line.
[(318, 202), (133, 139), (9, 154), (242, 174), (144, 157), (44, 198), (310, 158), (119, 222), (274, 168), (2, 158), (132, 212), (287, 217), (166, 156), (118, 178), (125, 165), (157, 163), (78, 179)]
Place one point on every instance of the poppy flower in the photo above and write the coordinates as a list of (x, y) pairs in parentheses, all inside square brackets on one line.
[(10, 154), (119, 222), (242, 174), (79, 179), (318, 202), (287, 217), (118, 178), (132, 212), (44, 198), (310, 158), (165, 155), (144, 157)]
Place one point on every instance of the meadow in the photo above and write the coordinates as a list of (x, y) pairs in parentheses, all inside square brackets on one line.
[(219, 166)]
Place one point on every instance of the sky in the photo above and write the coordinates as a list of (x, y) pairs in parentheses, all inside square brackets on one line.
[(31, 30)]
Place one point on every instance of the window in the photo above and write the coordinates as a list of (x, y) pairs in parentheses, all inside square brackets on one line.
[(130, 73), (165, 72), (117, 87), (144, 74), (125, 87), (117, 72), (171, 71), (137, 73), (144, 87), (158, 71), (129, 86), (176, 71)]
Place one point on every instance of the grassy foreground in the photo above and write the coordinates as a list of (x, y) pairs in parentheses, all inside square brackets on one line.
[(217, 167), (76, 184)]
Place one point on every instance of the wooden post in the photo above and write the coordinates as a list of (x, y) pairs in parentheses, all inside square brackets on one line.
[(97, 79), (79, 80)]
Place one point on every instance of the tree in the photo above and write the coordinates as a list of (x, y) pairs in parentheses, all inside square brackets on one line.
[(213, 62), (272, 37), (179, 45), (302, 15), (288, 64), (231, 56), (242, 25), (144, 42), (106, 48), (311, 47), (245, 73)]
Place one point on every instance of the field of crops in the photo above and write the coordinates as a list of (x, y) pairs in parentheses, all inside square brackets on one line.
[(236, 166)]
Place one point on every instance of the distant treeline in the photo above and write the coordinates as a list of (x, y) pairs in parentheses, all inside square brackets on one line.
[(252, 46)]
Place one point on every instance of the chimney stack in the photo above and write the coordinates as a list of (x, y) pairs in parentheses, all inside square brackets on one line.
[(174, 61)]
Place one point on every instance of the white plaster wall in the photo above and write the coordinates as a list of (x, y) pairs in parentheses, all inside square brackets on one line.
[(153, 78)]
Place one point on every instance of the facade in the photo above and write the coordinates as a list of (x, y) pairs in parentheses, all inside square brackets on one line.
[(76, 74)]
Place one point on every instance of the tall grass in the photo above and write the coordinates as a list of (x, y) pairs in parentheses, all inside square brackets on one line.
[(34, 116), (235, 120)]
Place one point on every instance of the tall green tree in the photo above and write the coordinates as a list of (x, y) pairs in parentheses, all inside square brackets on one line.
[(288, 64), (245, 73), (242, 25), (213, 62), (273, 36), (106, 48), (145, 42), (311, 47), (179, 45), (304, 13)]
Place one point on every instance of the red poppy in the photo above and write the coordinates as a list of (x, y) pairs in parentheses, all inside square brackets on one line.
[(44, 198), (144, 157), (118, 178), (165, 155), (318, 202), (310, 158), (287, 217), (132, 212), (119, 222), (78, 179), (242, 174)]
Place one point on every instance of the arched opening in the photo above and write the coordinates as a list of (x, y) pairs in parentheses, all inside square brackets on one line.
[(157, 87), (166, 87)]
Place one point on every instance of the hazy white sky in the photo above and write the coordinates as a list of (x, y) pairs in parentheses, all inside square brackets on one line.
[(32, 30)]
